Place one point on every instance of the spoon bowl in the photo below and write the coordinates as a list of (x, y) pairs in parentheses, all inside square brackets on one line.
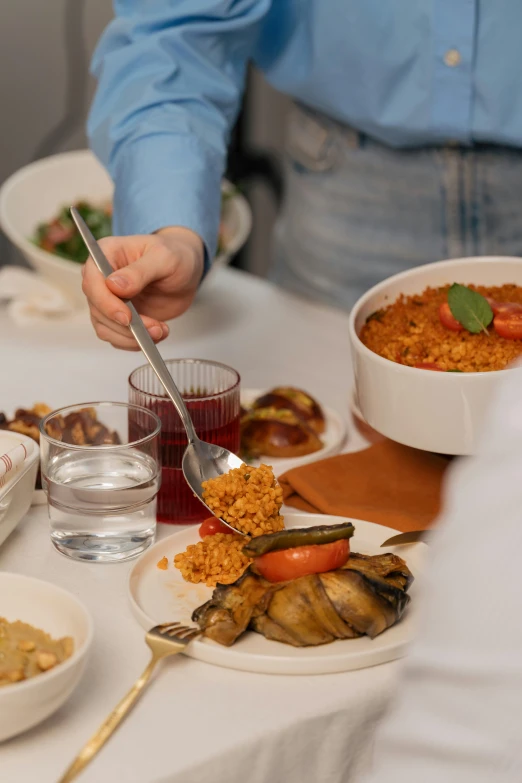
[(203, 461)]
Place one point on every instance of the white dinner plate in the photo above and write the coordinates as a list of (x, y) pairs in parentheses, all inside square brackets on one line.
[(158, 596), (333, 438)]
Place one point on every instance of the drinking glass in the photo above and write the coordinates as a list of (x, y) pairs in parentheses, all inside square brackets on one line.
[(211, 393), (101, 473)]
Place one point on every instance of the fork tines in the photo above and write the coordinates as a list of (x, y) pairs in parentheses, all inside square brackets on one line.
[(178, 630)]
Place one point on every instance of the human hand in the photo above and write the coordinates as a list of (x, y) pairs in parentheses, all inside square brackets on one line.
[(159, 272)]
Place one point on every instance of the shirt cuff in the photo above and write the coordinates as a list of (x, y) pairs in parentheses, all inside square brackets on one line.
[(166, 180)]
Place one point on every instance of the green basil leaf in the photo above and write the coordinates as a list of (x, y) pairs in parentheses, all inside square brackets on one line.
[(470, 308)]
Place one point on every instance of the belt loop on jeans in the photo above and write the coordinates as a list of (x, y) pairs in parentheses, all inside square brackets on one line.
[(353, 138), (311, 140)]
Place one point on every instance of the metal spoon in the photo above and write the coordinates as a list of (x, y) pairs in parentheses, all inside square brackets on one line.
[(201, 461)]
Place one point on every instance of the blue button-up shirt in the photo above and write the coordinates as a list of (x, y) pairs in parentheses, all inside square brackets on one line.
[(407, 72)]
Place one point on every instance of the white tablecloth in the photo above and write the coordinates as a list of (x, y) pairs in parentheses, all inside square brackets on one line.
[(196, 723)]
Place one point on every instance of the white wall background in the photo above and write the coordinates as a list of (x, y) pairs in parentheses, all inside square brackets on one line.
[(33, 81), (34, 75)]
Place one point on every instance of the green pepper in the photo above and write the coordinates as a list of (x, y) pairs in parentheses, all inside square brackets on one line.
[(297, 536)]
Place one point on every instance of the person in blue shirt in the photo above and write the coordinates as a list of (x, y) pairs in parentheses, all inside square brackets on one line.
[(404, 145)]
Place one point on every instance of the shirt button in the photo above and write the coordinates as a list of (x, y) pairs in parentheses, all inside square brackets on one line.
[(452, 58)]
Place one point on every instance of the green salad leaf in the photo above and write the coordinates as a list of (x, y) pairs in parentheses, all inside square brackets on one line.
[(60, 236), (470, 308)]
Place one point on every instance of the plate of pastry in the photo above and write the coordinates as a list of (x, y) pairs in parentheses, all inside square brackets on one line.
[(286, 427)]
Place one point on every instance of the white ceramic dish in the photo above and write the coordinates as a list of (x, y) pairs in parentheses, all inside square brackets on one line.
[(368, 433), (17, 493), (35, 193), (24, 704), (333, 438), (434, 411), (159, 596)]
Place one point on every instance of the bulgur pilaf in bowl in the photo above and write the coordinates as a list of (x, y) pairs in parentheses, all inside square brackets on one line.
[(248, 498), (394, 341), (417, 331)]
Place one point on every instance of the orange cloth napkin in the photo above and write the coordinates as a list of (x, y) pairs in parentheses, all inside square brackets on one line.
[(387, 483)]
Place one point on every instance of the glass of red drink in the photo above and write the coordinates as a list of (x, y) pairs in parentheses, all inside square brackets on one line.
[(211, 393)]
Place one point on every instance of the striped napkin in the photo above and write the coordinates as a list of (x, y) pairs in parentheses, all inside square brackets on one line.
[(10, 461)]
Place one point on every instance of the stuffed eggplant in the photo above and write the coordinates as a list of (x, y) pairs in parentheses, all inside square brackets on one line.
[(367, 595)]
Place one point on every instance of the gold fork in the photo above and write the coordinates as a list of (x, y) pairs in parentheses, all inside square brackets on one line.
[(164, 640)]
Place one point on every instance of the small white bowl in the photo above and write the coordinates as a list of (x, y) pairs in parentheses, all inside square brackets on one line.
[(36, 193), (45, 606), (433, 411), (17, 493)]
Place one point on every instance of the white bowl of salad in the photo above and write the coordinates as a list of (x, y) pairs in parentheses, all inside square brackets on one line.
[(34, 215)]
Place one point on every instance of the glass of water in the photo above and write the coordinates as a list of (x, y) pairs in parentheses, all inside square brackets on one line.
[(101, 473)]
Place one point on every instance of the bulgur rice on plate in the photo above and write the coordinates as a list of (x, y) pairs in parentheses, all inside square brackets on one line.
[(250, 499), (217, 558), (410, 332)]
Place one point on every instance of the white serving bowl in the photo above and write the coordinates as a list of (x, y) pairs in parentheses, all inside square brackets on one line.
[(434, 411), (43, 605), (36, 193), (17, 493)]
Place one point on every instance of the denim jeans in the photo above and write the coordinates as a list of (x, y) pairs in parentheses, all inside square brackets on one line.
[(356, 212)]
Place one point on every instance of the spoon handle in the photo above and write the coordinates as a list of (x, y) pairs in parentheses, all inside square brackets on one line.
[(139, 331)]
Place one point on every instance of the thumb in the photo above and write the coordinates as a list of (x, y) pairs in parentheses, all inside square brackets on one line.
[(132, 279)]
